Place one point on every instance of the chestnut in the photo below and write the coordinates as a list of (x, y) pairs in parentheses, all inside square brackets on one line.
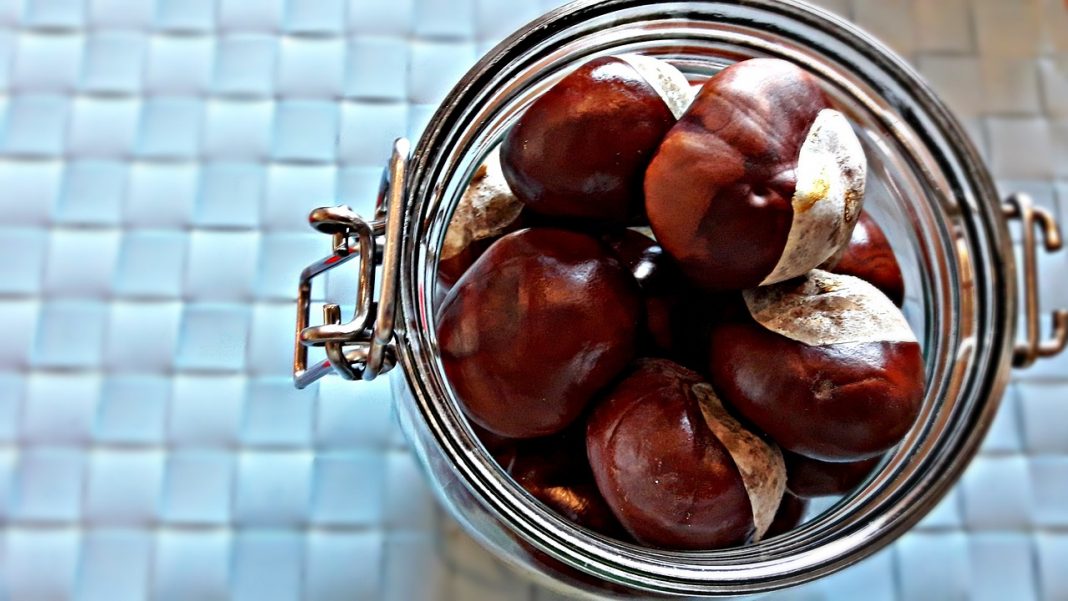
[(869, 256), (662, 287), (554, 470), (789, 516), (827, 366), (543, 320), (678, 471), (809, 478), (486, 211), (581, 149), (759, 182)]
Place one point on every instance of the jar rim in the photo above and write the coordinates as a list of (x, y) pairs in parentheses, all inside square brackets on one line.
[(987, 350)]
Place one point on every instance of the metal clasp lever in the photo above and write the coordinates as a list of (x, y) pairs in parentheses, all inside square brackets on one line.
[(361, 347), (1020, 206)]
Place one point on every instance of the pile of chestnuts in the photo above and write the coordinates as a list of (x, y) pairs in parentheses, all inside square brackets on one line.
[(664, 310)]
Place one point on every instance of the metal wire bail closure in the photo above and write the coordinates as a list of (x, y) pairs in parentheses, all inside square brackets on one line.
[(360, 348), (1036, 219)]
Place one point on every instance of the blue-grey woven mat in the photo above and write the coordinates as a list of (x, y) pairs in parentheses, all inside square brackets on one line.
[(157, 160)]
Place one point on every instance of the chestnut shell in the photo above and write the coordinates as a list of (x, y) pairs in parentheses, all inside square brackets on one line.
[(839, 402), (666, 476), (581, 149), (535, 327), (719, 191)]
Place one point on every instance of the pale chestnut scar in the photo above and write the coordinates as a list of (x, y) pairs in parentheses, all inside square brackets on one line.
[(760, 463), (831, 174), (668, 81), (826, 308), (486, 209), (645, 231)]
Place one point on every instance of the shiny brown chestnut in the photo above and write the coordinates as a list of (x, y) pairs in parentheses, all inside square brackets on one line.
[(543, 320), (662, 286), (760, 181), (827, 367), (676, 469), (869, 256), (809, 478), (486, 211), (581, 149)]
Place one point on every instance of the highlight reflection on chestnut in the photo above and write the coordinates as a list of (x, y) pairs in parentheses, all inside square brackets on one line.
[(543, 320)]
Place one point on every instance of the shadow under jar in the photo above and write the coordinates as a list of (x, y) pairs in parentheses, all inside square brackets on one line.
[(927, 188)]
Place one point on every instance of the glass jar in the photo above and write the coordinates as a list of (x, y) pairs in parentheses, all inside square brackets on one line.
[(927, 187)]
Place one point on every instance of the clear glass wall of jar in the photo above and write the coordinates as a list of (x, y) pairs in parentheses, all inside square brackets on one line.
[(927, 187)]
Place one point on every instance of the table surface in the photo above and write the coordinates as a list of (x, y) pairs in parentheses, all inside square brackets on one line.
[(157, 160)]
